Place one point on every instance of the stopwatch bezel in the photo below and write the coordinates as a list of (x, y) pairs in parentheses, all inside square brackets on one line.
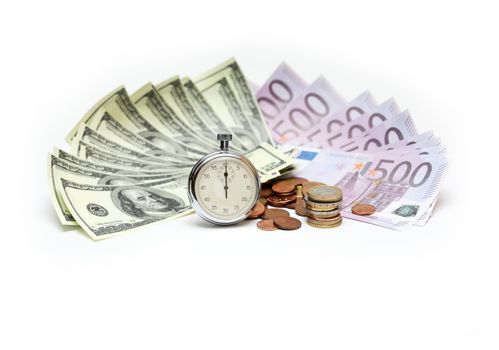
[(192, 183)]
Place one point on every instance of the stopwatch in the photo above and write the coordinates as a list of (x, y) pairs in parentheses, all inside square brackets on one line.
[(224, 185)]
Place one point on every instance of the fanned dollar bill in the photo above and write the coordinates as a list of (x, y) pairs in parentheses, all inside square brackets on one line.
[(226, 87), (59, 168), (206, 112), (160, 113), (93, 137), (106, 211), (96, 155)]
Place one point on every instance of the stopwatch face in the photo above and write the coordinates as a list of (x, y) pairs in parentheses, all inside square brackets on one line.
[(225, 189)]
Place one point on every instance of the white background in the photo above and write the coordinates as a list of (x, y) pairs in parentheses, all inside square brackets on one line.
[(188, 285)]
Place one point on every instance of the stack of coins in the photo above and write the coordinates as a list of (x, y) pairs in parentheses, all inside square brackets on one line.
[(323, 205), (283, 192)]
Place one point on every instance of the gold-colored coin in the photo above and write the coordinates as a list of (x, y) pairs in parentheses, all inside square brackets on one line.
[(318, 206), (325, 194), (323, 214), (310, 184), (299, 191), (325, 224)]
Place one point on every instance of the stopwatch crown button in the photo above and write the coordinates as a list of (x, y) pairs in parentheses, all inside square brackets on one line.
[(224, 137)]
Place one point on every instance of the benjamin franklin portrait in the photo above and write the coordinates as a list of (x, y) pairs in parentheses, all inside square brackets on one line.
[(143, 202)]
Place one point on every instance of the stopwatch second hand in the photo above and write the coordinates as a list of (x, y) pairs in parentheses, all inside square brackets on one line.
[(226, 174)]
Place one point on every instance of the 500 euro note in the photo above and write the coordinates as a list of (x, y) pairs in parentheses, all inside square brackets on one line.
[(403, 189)]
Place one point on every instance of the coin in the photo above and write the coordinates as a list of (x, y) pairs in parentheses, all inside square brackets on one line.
[(291, 205), (324, 194), (318, 206), (280, 201), (285, 194), (322, 214), (300, 207), (257, 210), (265, 192), (308, 185), (299, 191), (321, 224), (363, 209), (266, 225), (287, 223), (327, 220), (296, 181), (274, 213), (283, 187)]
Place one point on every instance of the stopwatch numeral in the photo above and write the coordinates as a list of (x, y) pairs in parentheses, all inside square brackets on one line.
[(207, 199), (244, 199), (248, 188), (245, 176), (213, 167), (206, 176), (238, 167), (213, 207), (226, 210), (203, 187), (236, 207)]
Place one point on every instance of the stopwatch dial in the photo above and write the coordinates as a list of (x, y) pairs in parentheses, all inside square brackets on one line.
[(225, 172), (226, 188)]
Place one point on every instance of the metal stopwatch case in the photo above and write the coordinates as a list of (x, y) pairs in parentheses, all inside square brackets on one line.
[(224, 185)]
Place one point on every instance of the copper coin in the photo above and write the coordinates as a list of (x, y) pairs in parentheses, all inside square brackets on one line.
[(274, 213), (283, 187), (309, 185), (280, 201), (363, 209), (287, 223), (300, 207), (291, 205), (257, 210), (266, 225), (265, 192), (296, 181), (285, 194)]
